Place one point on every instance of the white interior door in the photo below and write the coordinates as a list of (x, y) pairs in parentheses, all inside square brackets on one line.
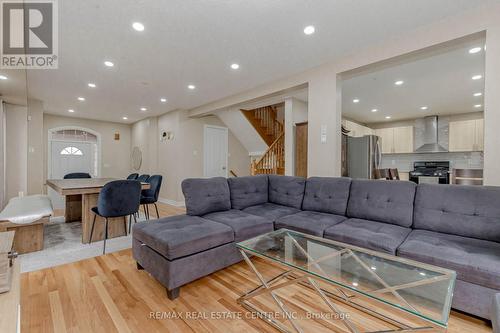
[(68, 157), (215, 151)]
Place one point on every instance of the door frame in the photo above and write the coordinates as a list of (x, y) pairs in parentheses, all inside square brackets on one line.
[(226, 130), (78, 128)]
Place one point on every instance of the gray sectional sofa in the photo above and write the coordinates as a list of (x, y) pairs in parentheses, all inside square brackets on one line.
[(456, 227)]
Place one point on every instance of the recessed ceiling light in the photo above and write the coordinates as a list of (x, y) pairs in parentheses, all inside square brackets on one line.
[(138, 26), (125, 118), (144, 109), (424, 107), (92, 85), (373, 268), (163, 100), (3, 77), (309, 30), (235, 66), (399, 82), (81, 99), (374, 110), (355, 284), (71, 110), (387, 117), (191, 86), (475, 50), (355, 100), (478, 105), (477, 77), (108, 63), (478, 94)]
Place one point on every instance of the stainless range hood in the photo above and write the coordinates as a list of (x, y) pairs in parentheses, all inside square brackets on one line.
[(430, 137)]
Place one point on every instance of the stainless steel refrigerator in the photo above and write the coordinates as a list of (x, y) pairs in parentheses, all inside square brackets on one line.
[(363, 156)]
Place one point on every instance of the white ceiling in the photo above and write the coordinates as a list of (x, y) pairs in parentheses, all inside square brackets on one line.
[(440, 80), (192, 41)]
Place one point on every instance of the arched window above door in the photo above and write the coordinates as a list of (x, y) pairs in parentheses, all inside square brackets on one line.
[(71, 151)]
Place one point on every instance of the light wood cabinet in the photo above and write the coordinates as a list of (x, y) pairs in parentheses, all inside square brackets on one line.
[(387, 139), (466, 135), (357, 130), (396, 140), (403, 139)]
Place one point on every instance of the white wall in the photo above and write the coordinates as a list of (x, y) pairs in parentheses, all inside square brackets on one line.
[(2, 155), (243, 130), (182, 157), (16, 150), (115, 155), (35, 146), (295, 112)]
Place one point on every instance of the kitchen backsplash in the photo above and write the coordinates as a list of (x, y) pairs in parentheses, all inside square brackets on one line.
[(404, 162)]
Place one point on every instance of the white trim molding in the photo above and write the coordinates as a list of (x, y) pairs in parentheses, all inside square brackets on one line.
[(171, 202)]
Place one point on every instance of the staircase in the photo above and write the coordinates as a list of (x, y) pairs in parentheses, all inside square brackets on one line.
[(266, 123)]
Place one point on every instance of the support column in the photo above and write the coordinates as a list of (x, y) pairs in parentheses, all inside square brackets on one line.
[(324, 116), (295, 112), (492, 108)]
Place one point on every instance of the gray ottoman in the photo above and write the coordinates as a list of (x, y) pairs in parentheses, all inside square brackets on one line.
[(179, 249), (495, 314)]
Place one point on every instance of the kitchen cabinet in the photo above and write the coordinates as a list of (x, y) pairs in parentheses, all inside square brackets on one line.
[(466, 135), (356, 129), (396, 140)]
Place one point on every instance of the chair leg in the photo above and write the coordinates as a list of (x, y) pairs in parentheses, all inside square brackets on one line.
[(105, 236), (147, 211), (125, 225), (130, 223), (135, 221), (157, 214), (92, 229)]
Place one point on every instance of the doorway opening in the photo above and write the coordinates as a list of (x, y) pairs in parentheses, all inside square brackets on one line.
[(72, 149), (215, 151)]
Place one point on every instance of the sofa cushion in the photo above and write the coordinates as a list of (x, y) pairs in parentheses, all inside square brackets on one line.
[(495, 314), (469, 211), (327, 195), (475, 261), (248, 191), (368, 234), (182, 235), (205, 196), (286, 190), (313, 223), (383, 201), (244, 225), (271, 211)]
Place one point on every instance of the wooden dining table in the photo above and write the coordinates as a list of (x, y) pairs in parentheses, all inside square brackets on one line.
[(81, 195)]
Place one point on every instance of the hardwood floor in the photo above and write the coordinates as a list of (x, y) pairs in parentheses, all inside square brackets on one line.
[(108, 294)]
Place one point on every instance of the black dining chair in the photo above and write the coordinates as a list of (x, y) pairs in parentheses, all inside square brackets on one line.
[(143, 178), (133, 176), (150, 196), (119, 198), (77, 175)]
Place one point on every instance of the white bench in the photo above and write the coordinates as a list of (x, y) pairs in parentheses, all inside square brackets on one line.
[(26, 216)]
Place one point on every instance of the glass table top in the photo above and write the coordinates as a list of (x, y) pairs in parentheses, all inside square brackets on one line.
[(423, 290)]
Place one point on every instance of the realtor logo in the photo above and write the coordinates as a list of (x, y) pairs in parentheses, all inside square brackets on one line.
[(28, 34)]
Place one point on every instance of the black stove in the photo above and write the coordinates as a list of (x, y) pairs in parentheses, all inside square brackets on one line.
[(439, 170)]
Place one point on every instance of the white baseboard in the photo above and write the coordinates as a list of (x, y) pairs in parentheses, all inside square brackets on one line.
[(171, 202)]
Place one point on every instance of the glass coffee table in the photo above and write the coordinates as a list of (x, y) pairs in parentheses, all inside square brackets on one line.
[(363, 279)]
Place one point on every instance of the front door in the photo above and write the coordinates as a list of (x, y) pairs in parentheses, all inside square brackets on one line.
[(68, 157), (215, 151)]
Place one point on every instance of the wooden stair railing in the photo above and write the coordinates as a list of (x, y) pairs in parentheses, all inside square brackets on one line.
[(273, 160), (265, 121)]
